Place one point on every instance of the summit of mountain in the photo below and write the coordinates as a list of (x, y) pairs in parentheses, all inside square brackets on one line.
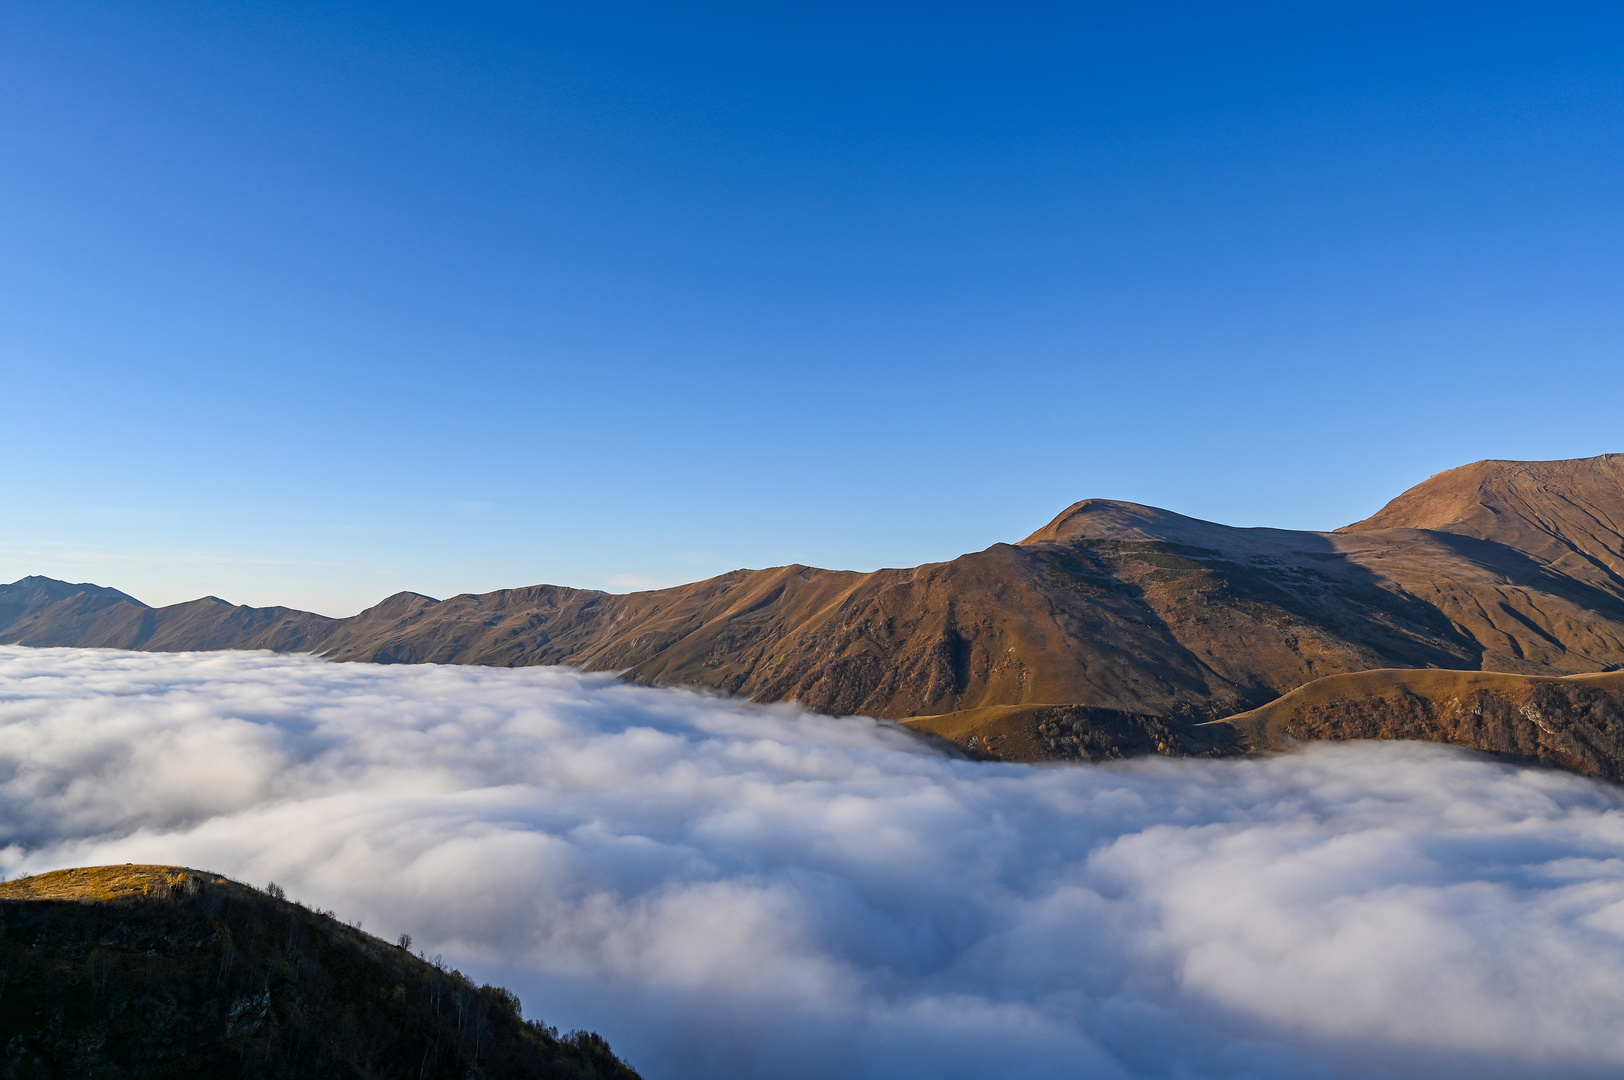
[(1115, 626), (1113, 519), (1567, 514), (26, 602)]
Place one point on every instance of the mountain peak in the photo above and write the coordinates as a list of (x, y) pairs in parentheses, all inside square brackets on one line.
[(39, 586), (1568, 512), (1106, 518)]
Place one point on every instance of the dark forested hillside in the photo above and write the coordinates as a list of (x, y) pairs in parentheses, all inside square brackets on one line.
[(147, 972)]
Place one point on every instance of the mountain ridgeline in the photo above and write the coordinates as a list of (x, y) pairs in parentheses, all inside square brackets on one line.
[(1115, 628)]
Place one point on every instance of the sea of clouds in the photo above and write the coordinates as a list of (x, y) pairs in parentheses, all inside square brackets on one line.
[(725, 890)]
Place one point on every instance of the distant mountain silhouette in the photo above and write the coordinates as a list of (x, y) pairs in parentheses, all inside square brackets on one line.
[(1116, 628)]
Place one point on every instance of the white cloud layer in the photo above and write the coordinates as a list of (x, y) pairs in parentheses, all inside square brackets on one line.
[(729, 891)]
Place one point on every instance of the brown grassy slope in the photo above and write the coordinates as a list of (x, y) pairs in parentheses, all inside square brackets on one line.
[(42, 612), (95, 884), (1498, 606), (1543, 541), (1567, 514), (1141, 626), (1111, 606), (147, 972), (1575, 722), (1115, 606)]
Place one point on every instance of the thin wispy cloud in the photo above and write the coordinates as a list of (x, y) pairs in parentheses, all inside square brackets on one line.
[(639, 582), (73, 555), (732, 891)]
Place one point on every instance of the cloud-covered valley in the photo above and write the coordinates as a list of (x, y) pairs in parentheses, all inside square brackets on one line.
[(725, 890)]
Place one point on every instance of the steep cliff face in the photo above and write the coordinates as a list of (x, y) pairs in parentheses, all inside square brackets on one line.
[(138, 972)]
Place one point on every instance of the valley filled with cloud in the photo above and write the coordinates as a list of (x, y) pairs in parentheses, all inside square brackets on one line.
[(728, 889)]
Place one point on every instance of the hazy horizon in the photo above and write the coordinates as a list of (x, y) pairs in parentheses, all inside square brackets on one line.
[(622, 586)]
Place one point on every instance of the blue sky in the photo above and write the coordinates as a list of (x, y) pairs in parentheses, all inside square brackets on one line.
[(308, 305)]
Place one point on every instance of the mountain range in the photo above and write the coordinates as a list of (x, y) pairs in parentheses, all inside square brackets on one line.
[(1113, 629)]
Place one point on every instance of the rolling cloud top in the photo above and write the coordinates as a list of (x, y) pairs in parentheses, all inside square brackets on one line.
[(729, 890)]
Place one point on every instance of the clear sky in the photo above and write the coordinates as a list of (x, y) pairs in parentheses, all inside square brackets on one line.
[(309, 305)]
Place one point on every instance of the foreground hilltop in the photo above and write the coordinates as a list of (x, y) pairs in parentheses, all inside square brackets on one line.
[(1116, 627), (135, 972)]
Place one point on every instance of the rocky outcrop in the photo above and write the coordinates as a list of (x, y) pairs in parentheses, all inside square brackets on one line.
[(1075, 733), (1574, 723)]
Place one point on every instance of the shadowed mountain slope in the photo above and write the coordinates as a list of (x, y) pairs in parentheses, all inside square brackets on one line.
[(138, 972), (43, 612), (1125, 611), (1575, 722)]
